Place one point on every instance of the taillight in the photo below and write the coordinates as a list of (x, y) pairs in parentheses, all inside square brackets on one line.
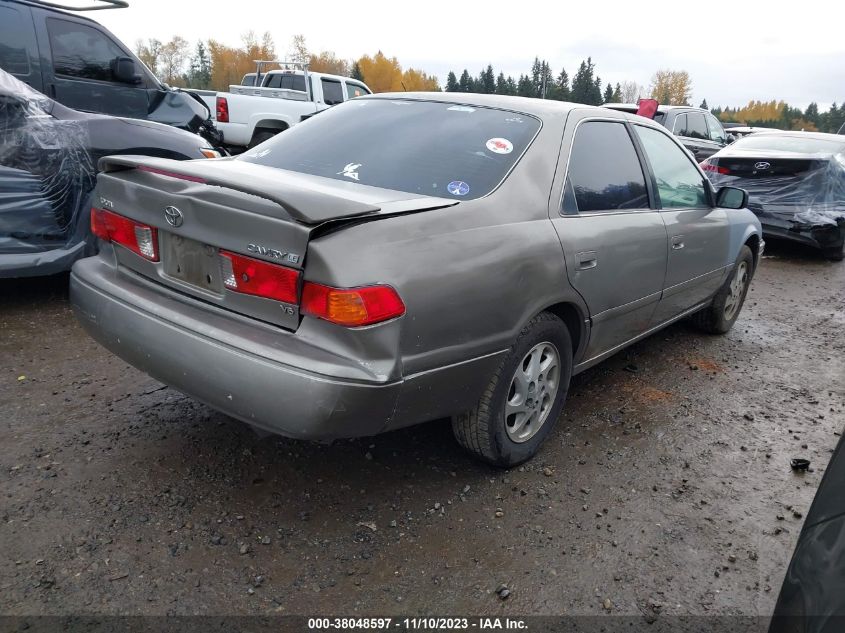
[(139, 238), (222, 110), (710, 165), (255, 277), (351, 307)]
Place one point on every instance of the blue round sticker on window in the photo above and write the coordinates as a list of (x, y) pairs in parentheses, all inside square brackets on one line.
[(458, 188)]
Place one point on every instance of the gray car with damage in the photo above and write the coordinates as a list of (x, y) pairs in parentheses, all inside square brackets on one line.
[(407, 257)]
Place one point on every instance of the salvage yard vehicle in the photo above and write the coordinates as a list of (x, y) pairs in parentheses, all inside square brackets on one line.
[(699, 131), (406, 257), (795, 182), (812, 597), (249, 115), (48, 168), (82, 65)]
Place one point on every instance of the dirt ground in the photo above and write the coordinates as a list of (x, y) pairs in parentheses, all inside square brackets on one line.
[(665, 488)]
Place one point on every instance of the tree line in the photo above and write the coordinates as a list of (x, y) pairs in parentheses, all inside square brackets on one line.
[(780, 115), (213, 65)]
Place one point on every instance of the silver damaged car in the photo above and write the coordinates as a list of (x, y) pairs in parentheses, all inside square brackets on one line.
[(406, 257)]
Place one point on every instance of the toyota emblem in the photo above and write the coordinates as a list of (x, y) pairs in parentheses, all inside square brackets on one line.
[(173, 216), (762, 165)]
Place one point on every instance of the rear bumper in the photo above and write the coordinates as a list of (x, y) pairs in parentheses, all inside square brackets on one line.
[(235, 367), (826, 237)]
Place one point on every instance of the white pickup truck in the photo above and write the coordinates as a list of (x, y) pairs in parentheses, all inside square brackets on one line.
[(248, 115)]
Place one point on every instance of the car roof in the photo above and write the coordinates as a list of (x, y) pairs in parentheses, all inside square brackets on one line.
[(46, 7), (282, 71), (819, 136), (526, 105)]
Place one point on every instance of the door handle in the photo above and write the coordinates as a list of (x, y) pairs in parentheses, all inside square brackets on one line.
[(587, 260), (677, 242)]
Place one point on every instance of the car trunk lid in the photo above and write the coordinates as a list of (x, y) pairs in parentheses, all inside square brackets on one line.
[(201, 212)]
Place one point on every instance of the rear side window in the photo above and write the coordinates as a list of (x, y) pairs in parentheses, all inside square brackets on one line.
[(332, 92), (424, 147), (81, 51), (355, 90), (679, 183), (287, 82), (13, 55), (604, 171), (696, 126), (680, 127)]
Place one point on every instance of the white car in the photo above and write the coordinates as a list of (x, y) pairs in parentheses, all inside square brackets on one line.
[(249, 115)]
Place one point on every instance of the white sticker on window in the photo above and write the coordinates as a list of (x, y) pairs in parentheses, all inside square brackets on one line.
[(460, 108), (350, 171), (500, 146)]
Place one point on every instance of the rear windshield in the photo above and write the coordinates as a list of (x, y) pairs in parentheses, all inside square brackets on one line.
[(785, 143), (423, 147)]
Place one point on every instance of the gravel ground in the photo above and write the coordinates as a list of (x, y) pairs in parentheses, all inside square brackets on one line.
[(665, 488)]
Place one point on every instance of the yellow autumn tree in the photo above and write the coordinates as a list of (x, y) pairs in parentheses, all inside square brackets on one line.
[(671, 87), (416, 80), (328, 62), (229, 65), (381, 74)]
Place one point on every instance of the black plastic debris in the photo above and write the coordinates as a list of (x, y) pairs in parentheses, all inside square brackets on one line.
[(800, 464)]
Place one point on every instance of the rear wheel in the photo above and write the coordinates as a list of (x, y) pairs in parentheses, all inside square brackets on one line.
[(722, 312), (524, 398), (836, 254)]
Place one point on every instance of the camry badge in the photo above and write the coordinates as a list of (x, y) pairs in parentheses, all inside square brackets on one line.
[(173, 216), (762, 165)]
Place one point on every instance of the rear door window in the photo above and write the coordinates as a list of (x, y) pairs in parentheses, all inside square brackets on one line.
[(13, 54), (697, 126), (430, 148), (680, 127), (355, 90), (81, 51), (332, 91), (679, 183), (604, 172)]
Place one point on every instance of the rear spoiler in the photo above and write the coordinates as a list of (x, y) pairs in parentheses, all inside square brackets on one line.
[(303, 205), (304, 198)]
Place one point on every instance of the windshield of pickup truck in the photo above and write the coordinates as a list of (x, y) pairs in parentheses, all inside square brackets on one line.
[(429, 148)]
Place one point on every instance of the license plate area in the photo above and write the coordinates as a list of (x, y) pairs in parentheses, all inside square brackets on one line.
[(191, 262)]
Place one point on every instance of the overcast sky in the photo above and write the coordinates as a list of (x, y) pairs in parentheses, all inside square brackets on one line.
[(734, 51)]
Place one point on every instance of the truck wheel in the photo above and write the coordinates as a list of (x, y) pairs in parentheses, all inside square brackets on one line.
[(722, 312), (261, 136), (524, 398)]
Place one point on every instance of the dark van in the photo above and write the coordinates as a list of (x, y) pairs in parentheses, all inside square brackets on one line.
[(79, 63)]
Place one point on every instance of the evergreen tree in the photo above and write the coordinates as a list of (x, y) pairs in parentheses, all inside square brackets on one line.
[(586, 89), (617, 93), (199, 72), (512, 87), (812, 114), (357, 74), (465, 83), (487, 81), (452, 83), (525, 87), (562, 92), (703, 104), (501, 84), (608, 94)]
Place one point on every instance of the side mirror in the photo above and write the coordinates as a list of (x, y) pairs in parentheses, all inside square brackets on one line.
[(123, 70), (732, 198)]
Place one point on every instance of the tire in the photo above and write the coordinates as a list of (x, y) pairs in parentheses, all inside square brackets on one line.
[(504, 436), (722, 312), (835, 254), (261, 136)]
